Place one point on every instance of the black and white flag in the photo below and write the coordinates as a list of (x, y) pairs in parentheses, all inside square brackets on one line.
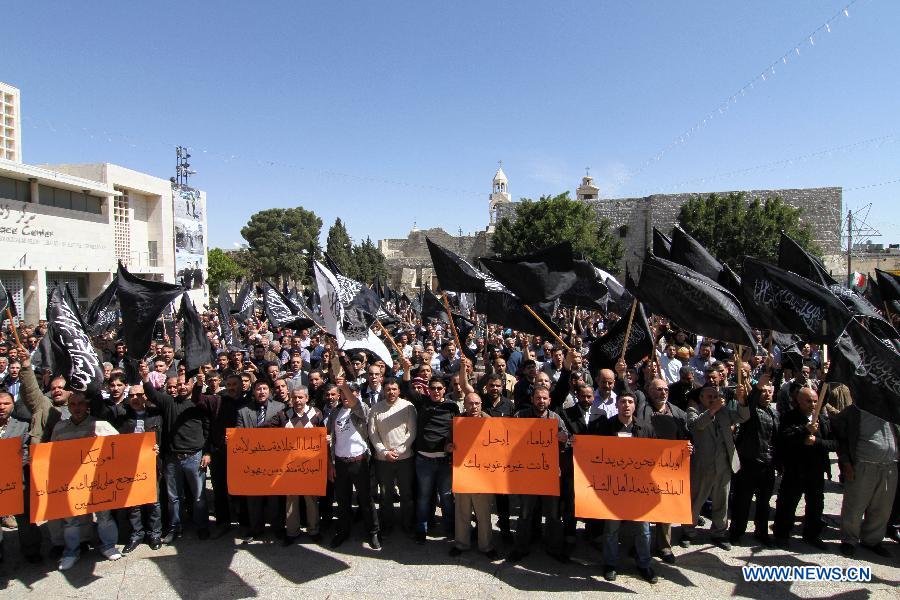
[(281, 312), (245, 303), (694, 302), (790, 303), (103, 313), (73, 354), (457, 274), (334, 316), (870, 368)]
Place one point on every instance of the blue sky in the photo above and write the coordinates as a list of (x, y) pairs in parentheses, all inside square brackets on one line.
[(392, 112)]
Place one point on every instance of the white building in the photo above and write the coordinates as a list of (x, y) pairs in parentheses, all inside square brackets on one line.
[(10, 123), (71, 224)]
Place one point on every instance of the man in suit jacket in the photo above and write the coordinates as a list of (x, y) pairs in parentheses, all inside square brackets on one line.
[(10, 427), (578, 420), (714, 460), (261, 508)]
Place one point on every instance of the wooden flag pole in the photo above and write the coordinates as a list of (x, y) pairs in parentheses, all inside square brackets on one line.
[(389, 337), (548, 328), (887, 312), (452, 324), (12, 327), (821, 402), (628, 329), (738, 363)]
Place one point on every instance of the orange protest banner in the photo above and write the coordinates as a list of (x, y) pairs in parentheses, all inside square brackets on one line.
[(632, 479), (505, 456), (77, 477), (277, 461), (12, 498)]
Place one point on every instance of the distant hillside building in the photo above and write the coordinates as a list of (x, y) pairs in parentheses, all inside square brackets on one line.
[(633, 219)]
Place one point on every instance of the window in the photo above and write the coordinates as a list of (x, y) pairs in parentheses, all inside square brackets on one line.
[(13, 189), (122, 223)]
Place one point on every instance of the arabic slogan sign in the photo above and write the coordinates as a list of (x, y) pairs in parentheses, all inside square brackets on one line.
[(277, 461), (631, 479), (12, 501), (78, 477), (505, 456)]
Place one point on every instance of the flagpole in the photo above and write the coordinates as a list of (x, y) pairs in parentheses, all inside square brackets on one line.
[(739, 364), (452, 324), (548, 328), (628, 329), (390, 338), (12, 326), (887, 311)]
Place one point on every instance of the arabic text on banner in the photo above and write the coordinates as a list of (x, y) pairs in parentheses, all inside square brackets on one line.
[(505, 456), (77, 477), (277, 461), (12, 500), (632, 479)]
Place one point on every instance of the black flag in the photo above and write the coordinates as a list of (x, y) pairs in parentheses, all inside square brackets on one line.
[(693, 301), (888, 285), (540, 277), (332, 266), (141, 302), (588, 291), (463, 328), (605, 352), (281, 312), (433, 308), (689, 252), (5, 302), (792, 257), (662, 244), (793, 304), (72, 351), (195, 345), (245, 303), (103, 312), (503, 308), (229, 334), (871, 370), (457, 274)]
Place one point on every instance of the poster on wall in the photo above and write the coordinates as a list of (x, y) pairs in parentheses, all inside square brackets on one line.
[(190, 237)]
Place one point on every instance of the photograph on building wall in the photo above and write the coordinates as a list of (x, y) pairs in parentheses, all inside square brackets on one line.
[(190, 238)]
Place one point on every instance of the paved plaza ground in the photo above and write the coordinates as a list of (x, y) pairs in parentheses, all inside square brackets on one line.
[(224, 569)]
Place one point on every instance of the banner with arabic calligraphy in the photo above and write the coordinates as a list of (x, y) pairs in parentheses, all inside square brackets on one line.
[(12, 500), (79, 477), (505, 456), (277, 461), (632, 479)]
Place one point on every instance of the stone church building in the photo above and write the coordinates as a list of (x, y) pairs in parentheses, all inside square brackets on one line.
[(633, 220)]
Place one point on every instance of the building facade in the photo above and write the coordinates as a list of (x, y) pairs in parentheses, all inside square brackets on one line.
[(10, 123), (72, 223)]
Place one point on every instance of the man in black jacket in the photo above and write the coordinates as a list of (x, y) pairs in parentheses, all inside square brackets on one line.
[(532, 506), (185, 454), (755, 444), (803, 449), (434, 433), (138, 417), (624, 424), (577, 419)]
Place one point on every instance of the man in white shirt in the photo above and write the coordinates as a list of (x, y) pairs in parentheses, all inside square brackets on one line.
[(348, 435), (669, 364), (605, 397)]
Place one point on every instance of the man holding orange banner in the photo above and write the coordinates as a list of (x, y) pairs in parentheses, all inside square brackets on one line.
[(549, 505), (81, 425), (15, 433)]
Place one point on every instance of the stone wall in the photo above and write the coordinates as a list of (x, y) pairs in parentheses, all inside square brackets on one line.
[(633, 219), (409, 263)]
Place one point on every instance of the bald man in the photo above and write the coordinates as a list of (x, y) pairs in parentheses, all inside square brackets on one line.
[(805, 447)]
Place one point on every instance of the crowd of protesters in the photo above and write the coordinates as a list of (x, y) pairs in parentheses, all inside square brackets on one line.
[(390, 437)]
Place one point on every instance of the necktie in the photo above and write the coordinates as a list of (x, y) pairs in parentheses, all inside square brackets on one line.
[(261, 416)]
